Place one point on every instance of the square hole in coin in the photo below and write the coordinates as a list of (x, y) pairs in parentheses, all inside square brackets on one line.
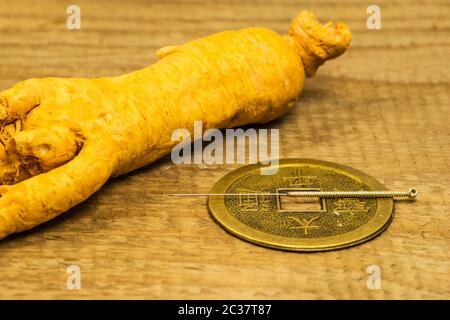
[(300, 204)]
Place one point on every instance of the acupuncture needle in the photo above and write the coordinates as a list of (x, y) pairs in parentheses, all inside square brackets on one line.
[(410, 194)]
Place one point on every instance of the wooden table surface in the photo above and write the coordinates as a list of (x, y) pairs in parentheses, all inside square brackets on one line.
[(382, 108)]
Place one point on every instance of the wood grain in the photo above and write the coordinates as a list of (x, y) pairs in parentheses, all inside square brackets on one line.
[(382, 108)]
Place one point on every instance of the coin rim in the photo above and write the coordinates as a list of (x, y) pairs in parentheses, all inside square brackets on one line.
[(379, 222)]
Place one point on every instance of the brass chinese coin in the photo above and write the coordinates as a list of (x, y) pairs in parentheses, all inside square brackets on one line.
[(254, 206)]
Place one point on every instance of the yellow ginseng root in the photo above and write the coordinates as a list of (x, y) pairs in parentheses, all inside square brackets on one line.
[(63, 138)]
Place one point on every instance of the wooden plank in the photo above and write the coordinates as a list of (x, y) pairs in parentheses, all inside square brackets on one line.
[(382, 108)]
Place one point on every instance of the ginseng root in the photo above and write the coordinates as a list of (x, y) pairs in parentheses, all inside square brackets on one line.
[(63, 138)]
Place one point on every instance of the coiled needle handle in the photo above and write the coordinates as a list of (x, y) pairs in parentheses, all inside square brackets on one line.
[(411, 194)]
